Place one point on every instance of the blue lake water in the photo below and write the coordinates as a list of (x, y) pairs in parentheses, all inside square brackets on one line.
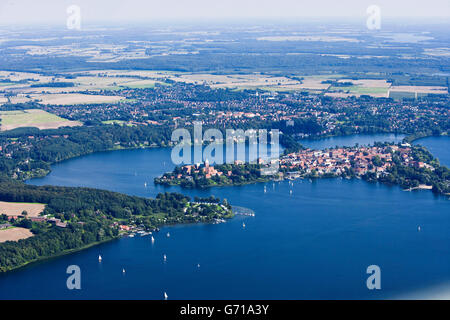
[(315, 243), (439, 147)]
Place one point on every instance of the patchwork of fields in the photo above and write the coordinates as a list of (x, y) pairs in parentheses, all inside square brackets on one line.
[(69, 89)]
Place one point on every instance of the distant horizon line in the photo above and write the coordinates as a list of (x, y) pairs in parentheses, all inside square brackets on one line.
[(387, 20)]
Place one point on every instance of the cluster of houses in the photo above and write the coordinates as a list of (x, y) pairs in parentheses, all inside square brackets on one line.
[(188, 172), (205, 168), (57, 222), (5, 226), (339, 160)]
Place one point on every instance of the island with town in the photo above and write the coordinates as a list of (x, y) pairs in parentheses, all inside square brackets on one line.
[(61, 100), (411, 167)]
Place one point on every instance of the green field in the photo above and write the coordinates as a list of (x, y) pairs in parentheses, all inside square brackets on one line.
[(134, 85), (398, 95), (119, 122), (140, 86), (32, 118), (360, 90)]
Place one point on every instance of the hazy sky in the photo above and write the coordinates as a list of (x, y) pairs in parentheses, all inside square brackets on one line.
[(54, 11)]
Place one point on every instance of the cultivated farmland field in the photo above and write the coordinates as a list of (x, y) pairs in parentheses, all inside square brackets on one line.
[(14, 234), (33, 118), (374, 88), (77, 98), (16, 208)]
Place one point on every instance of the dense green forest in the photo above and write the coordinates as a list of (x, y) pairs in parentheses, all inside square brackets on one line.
[(32, 157), (92, 216), (239, 174)]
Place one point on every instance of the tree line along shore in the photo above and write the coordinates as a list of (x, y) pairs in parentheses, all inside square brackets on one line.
[(90, 215), (74, 218)]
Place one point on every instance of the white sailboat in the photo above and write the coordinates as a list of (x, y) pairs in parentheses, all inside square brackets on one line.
[(165, 258), (165, 296), (145, 184), (99, 258), (153, 240), (168, 235), (290, 191), (265, 189), (243, 224), (123, 271), (198, 265)]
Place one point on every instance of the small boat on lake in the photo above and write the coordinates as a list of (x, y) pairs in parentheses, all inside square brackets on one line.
[(165, 258), (168, 235), (165, 296), (99, 258)]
